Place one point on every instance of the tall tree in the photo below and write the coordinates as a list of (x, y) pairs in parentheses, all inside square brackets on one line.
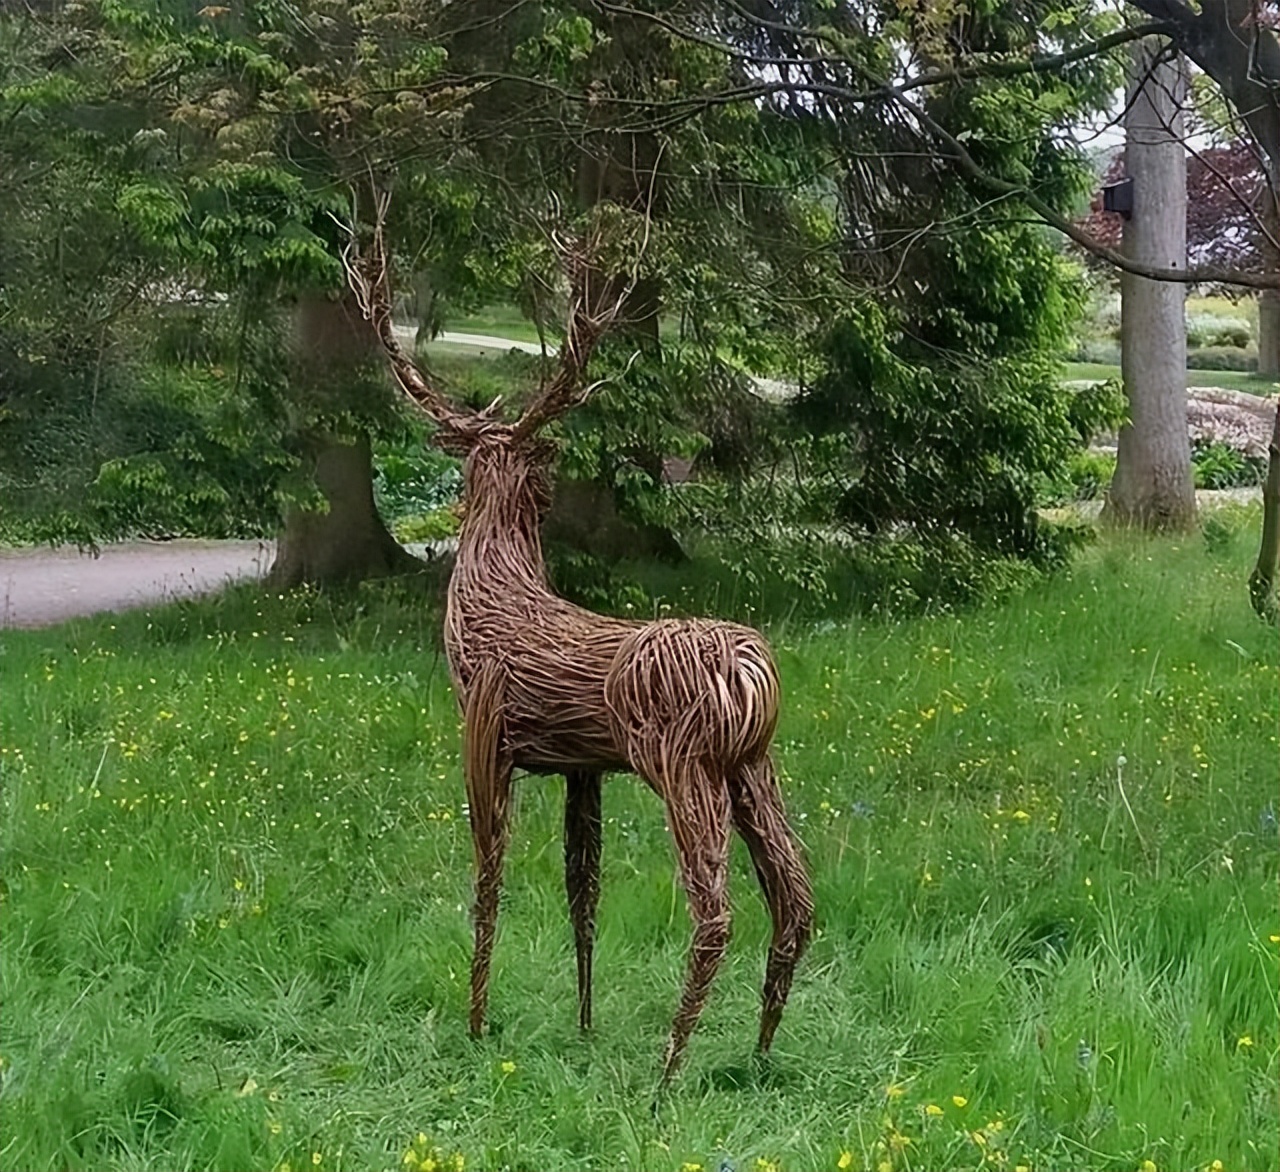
[(1152, 486), (265, 120)]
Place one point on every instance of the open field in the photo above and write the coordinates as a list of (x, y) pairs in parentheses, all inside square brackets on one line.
[(236, 874)]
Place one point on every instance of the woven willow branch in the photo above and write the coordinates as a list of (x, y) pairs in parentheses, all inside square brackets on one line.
[(547, 687)]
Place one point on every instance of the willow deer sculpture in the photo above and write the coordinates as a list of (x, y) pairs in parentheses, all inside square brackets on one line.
[(547, 687)]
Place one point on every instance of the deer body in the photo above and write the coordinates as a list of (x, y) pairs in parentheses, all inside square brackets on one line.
[(545, 686)]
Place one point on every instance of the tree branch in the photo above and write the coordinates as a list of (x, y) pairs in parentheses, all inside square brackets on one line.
[(993, 183)]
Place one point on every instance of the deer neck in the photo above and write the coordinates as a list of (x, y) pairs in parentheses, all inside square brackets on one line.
[(500, 546)]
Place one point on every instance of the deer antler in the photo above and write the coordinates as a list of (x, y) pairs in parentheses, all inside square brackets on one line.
[(368, 278), (590, 318)]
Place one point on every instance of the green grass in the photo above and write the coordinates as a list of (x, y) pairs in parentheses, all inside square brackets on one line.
[(236, 876), (1233, 380), (505, 321)]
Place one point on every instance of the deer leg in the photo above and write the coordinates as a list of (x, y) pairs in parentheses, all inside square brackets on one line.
[(488, 774), (759, 817), (582, 874), (698, 814)]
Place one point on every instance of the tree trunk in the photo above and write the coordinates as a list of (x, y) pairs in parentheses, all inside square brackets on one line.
[(1262, 582), (1269, 334), (1153, 487), (347, 542), (1269, 302), (333, 358), (584, 516)]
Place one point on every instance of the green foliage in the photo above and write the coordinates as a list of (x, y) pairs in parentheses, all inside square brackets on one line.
[(238, 873), (414, 478), (937, 442), (1218, 331), (1222, 358), (1215, 465), (1085, 478), (246, 227), (436, 525), (146, 448)]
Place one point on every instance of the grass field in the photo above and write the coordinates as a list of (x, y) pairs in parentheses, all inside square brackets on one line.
[(1233, 380), (236, 876)]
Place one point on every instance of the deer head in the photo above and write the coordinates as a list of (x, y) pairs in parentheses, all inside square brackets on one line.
[(495, 450)]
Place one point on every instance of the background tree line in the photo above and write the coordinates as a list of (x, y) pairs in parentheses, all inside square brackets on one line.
[(857, 200)]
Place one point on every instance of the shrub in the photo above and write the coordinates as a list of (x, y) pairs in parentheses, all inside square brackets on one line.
[(1215, 465), (413, 481), (1208, 330), (1094, 350), (1222, 358), (437, 525)]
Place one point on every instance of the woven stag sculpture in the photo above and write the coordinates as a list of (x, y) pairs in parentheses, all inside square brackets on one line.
[(547, 687)]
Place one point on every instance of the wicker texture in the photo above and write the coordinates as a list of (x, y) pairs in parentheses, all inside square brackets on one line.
[(547, 687)]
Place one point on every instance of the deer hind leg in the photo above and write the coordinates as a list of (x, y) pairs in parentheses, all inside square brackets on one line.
[(759, 817), (582, 874), (488, 774), (698, 814)]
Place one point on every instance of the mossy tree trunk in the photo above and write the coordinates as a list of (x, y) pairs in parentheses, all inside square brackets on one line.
[(334, 359)]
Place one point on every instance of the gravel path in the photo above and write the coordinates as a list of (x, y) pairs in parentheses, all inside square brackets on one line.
[(40, 587)]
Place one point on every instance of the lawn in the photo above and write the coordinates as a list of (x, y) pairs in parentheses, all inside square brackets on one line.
[(1043, 836), (1232, 380)]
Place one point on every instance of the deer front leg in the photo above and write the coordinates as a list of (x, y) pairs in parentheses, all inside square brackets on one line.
[(698, 814), (582, 874), (760, 818), (488, 775)]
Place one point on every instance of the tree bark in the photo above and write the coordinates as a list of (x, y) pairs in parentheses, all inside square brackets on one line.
[(1153, 487), (1269, 302), (1262, 582), (333, 356), (347, 542)]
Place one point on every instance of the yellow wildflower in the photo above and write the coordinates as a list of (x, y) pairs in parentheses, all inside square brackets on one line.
[(933, 1110), (845, 1161), (316, 1157), (1148, 1166), (1216, 1166), (959, 1100), (690, 1167), (508, 1067), (1244, 1040)]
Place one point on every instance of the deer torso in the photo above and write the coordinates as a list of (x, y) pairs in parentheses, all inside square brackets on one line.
[(549, 657)]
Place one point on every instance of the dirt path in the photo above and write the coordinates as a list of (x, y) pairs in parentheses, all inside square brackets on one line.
[(40, 587)]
